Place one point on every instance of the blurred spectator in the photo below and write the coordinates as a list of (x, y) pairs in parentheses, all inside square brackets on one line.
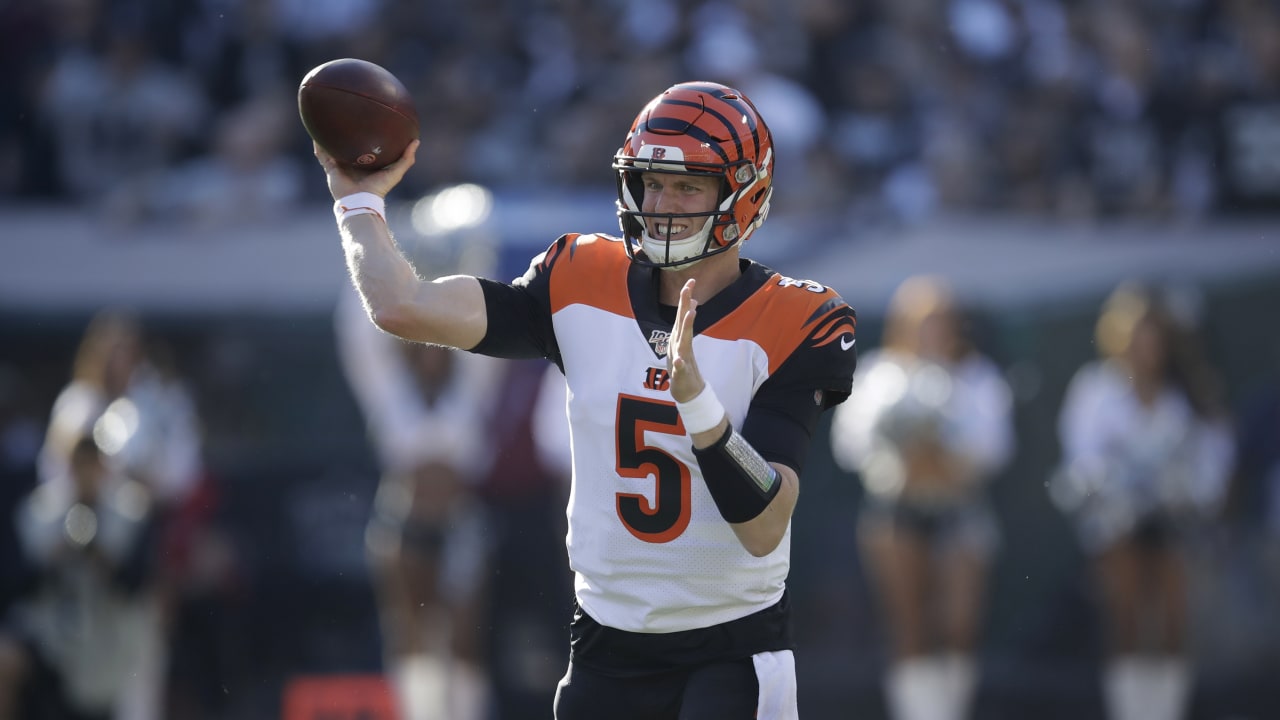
[(247, 177), (426, 408), (323, 20), (118, 114), (145, 421), (1146, 453), (24, 146), (73, 648), (876, 135), (731, 49), (927, 426), (1128, 123), (239, 51), (150, 426), (1243, 67)]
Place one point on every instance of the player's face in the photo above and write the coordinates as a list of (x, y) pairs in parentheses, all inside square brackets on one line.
[(938, 339), (676, 194), (1147, 352)]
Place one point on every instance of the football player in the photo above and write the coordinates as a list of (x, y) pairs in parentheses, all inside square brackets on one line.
[(695, 380)]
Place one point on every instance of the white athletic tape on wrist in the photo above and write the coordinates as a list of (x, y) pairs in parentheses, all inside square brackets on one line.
[(702, 413), (361, 203)]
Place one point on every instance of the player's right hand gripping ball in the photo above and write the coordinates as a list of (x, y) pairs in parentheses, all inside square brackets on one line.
[(358, 112)]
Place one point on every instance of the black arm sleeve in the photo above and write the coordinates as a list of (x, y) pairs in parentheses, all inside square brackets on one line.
[(781, 433), (519, 314), (819, 375), (518, 328)]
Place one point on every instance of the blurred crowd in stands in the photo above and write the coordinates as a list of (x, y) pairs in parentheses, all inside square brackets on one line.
[(882, 110)]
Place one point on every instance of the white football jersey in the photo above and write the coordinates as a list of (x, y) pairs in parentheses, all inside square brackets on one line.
[(649, 549)]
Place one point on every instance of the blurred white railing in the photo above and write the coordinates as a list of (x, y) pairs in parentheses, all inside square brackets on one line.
[(59, 259)]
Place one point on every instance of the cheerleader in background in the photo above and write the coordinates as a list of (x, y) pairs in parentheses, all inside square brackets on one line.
[(1146, 451), (927, 425), (427, 410)]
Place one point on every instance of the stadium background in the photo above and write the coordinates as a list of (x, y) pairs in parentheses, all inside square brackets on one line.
[(1036, 152)]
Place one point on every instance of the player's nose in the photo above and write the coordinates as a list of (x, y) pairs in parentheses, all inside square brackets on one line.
[(664, 201)]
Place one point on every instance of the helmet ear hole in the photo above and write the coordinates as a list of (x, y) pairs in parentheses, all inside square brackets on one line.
[(636, 186), (631, 226)]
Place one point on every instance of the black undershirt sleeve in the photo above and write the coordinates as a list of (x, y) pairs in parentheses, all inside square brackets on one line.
[(519, 313), (518, 326), (786, 408), (781, 427)]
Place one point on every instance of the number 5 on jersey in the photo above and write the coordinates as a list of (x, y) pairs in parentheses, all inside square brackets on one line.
[(664, 519)]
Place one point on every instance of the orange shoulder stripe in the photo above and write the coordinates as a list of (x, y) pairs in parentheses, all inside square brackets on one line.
[(591, 270), (780, 317)]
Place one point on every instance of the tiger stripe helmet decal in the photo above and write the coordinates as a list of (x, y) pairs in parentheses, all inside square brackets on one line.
[(704, 129)]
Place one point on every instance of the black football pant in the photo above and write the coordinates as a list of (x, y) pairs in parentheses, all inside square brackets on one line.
[(723, 691)]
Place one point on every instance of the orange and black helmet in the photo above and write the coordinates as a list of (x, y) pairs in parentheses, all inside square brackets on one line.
[(703, 129)]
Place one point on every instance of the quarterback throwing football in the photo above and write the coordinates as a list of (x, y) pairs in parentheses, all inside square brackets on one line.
[(695, 380)]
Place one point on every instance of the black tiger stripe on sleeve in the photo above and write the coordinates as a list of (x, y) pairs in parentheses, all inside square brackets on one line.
[(840, 324)]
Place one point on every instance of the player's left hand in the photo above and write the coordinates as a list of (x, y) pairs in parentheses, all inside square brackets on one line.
[(686, 380)]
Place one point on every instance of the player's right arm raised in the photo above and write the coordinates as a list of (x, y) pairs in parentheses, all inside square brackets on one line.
[(448, 311)]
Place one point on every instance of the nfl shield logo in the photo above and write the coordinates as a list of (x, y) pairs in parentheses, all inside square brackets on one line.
[(658, 341)]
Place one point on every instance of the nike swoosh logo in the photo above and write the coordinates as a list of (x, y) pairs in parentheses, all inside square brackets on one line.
[(846, 345)]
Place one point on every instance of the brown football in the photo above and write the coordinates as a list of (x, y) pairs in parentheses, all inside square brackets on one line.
[(358, 112)]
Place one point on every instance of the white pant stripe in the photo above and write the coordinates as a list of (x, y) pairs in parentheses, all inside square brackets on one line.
[(776, 672)]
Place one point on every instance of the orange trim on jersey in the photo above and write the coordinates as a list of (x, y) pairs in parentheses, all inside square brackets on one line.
[(778, 318), (591, 270)]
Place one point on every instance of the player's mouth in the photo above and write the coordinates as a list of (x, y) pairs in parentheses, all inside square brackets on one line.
[(669, 230)]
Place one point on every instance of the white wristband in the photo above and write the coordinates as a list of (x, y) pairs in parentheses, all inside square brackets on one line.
[(702, 413), (361, 203)]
